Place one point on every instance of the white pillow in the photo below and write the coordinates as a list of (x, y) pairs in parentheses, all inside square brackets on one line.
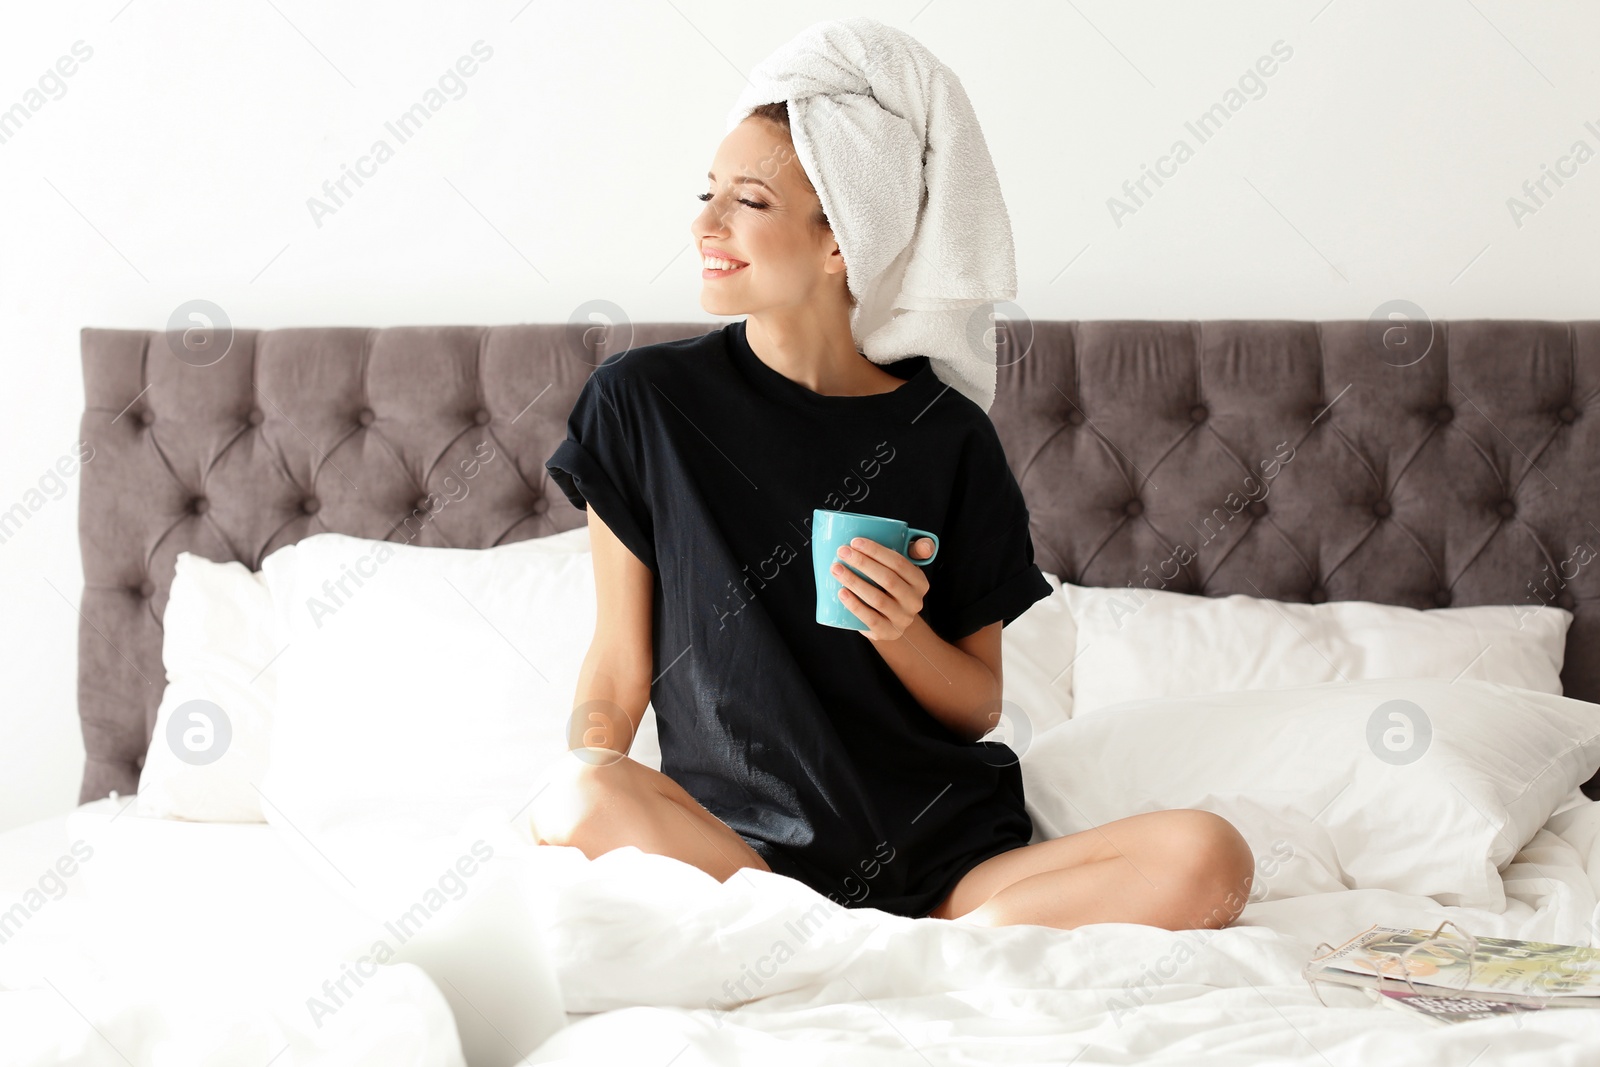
[(1036, 652), (1318, 777), (420, 684), (1139, 643), (216, 646)]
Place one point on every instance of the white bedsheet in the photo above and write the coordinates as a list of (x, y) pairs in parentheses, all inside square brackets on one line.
[(866, 988), (189, 943), (660, 963)]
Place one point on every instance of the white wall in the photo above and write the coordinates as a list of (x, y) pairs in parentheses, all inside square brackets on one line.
[(1376, 165)]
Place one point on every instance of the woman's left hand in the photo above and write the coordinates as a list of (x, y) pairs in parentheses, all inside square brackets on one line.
[(891, 610)]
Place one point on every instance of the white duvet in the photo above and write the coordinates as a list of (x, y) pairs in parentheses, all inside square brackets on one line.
[(188, 943), (868, 988), (661, 964)]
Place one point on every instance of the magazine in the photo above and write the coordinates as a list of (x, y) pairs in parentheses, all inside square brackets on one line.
[(1536, 973), (1445, 1010)]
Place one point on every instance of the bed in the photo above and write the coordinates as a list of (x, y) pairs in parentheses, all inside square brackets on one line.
[(1458, 478)]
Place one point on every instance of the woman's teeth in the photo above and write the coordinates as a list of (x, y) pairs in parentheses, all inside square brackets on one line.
[(712, 263)]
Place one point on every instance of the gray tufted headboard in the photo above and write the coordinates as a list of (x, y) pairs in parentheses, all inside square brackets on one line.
[(1471, 476)]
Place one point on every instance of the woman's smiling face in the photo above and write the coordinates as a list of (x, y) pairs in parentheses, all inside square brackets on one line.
[(761, 211)]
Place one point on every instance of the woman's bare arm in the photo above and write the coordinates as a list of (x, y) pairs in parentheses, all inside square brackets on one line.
[(614, 682), (957, 683)]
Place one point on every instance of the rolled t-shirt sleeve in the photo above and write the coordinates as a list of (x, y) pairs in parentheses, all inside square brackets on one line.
[(597, 466), (985, 570)]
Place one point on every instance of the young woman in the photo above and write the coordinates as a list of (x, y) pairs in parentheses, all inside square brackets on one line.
[(850, 760)]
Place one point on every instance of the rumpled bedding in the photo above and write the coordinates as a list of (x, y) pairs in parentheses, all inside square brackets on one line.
[(740, 977), (660, 963)]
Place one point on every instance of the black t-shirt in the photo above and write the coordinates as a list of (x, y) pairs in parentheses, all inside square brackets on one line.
[(706, 463)]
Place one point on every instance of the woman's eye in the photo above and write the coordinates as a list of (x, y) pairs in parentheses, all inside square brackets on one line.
[(758, 207)]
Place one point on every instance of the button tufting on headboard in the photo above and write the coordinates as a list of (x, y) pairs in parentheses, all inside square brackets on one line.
[(1265, 457)]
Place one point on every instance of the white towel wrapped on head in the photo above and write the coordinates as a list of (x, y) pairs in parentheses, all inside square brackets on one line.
[(889, 140)]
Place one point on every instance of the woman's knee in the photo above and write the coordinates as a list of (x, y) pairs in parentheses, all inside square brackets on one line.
[(584, 798), (1214, 863)]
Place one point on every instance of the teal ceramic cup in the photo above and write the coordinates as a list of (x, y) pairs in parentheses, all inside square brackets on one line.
[(829, 530)]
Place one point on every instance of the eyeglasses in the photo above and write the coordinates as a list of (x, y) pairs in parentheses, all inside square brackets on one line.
[(1417, 961)]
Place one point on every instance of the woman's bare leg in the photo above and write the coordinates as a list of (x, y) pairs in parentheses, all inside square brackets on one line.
[(596, 803), (1180, 869)]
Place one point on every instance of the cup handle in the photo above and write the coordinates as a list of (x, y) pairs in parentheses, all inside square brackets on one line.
[(911, 535)]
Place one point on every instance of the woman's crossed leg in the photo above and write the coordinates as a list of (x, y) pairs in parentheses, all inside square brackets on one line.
[(599, 800), (1180, 869)]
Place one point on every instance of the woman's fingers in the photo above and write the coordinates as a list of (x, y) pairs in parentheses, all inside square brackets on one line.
[(888, 568), (894, 604)]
